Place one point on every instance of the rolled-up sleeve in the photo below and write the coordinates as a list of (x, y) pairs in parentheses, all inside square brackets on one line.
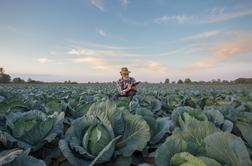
[(119, 88)]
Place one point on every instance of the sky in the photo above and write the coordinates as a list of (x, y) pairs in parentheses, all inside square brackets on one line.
[(90, 40)]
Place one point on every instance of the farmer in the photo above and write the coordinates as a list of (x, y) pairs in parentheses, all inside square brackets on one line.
[(126, 86)]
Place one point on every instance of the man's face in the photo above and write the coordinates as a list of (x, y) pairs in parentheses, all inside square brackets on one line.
[(125, 75)]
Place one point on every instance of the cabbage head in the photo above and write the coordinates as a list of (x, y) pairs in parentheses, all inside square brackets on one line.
[(185, 158), (104, 133), (19, 157), (31, 129), (89, 141)]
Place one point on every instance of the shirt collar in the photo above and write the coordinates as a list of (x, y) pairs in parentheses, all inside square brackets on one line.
[(121, 79)]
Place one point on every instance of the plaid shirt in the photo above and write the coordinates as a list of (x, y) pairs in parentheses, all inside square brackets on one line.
[(122, 84)]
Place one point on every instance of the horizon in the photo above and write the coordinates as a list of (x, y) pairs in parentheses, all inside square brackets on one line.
[(25, 77), (90, 40)]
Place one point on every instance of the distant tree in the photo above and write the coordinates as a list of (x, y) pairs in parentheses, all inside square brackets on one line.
[(1, 70), (180, 81), (201, 82), (18, 80), (4, 78), (243, 81), (225, 81), (167, 81), (214, 81), (187, 81), (31, 81), (70, 82), (74, 82)]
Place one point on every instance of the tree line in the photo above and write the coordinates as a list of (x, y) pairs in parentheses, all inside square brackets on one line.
[(213, 81), (6, 78)]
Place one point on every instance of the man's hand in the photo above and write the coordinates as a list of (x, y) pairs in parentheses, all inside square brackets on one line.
[(130, 86)]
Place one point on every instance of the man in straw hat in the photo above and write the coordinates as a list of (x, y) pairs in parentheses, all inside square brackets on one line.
[(126, 86)]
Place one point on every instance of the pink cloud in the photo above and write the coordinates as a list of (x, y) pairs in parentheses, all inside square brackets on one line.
[(138, 65), (223, 52), (96, 63)]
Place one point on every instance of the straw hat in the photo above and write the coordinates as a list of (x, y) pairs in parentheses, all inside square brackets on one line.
[(124, 70)]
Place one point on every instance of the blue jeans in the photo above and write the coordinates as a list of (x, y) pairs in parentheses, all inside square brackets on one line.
[(130, 94)]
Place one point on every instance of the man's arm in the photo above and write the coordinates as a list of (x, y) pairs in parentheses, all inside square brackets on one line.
[(134, 83), (119, 88)]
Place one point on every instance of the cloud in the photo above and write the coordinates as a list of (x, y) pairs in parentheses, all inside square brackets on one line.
[(124, 3), (52, 53), (105, 46), (182, 51), (96, 63), (100, 53), (43, 60), (212, 16), (148, 66), (98, 4), (203, 35), (82, 51), (179, 19), (223, 52), (154, 66), (113, 47), (226, 50), (101, 60), (106, 65), (195, 37), (220, 14), (102, 32), (60, 61)]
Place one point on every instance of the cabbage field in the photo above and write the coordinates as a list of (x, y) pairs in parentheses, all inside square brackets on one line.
[(164, 125)]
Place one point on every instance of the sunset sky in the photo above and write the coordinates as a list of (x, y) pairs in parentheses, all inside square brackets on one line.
[(90, 40)]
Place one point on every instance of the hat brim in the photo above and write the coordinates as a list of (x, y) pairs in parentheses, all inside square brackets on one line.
[(125, 72)]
